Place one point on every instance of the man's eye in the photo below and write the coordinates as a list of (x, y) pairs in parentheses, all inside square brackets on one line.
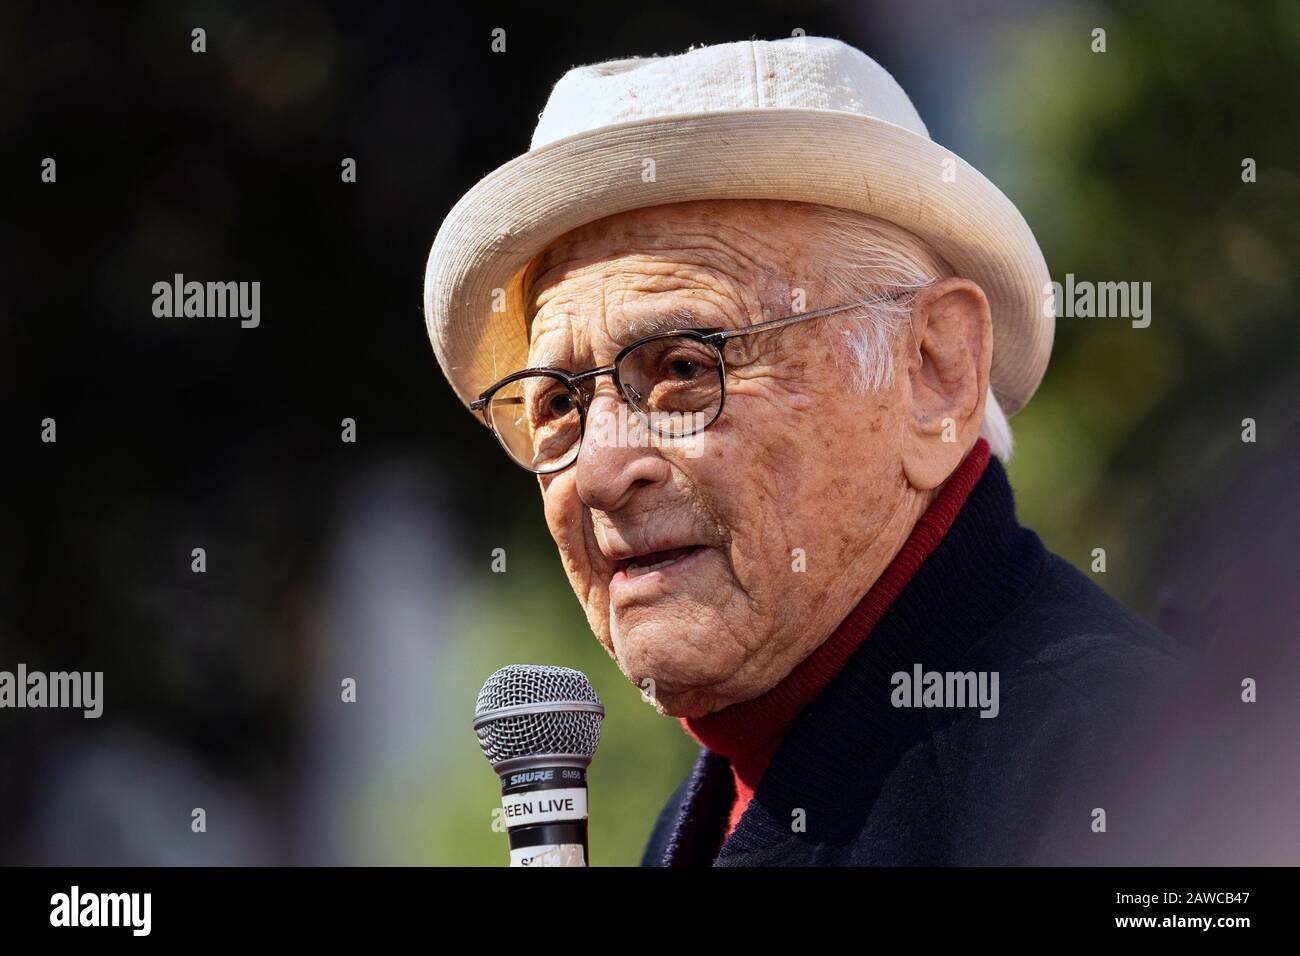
[(552, 406), (685, 364), (683, 370), (560, 404)]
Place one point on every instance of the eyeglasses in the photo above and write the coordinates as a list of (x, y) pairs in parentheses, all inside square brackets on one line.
[(675, 381)]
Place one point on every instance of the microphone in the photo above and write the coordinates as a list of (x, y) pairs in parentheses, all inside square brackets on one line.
[(538, 726)]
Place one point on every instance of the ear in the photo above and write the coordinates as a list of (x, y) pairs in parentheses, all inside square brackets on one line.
[(949, 355)]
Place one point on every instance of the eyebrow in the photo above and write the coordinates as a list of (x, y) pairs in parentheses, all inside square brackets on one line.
[(671, 321)]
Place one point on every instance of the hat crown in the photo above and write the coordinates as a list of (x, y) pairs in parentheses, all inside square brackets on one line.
[(812, 73)]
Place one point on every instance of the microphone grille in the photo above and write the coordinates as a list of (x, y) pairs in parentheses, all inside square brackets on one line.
[(546, 732)]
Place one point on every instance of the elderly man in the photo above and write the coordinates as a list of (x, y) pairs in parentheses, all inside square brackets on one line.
[(757, 335)]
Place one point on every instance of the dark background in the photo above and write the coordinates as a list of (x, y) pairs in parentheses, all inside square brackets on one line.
[(371, 560)]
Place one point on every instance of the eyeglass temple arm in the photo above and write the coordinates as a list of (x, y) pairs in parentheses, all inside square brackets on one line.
[(788, 320)]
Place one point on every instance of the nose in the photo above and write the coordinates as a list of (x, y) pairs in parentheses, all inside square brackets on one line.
[(616, 458)]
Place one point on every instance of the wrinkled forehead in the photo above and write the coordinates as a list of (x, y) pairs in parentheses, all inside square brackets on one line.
[(587, 321), (607, 284)]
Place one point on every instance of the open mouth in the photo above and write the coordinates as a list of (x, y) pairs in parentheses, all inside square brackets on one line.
[(645, 563)]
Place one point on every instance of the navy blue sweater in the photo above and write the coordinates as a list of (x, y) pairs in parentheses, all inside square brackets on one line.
[(859, 781)]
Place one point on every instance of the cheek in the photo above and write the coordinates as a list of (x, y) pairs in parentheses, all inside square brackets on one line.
[(746, 480), (565, 518), (817, 476), (852, 480)]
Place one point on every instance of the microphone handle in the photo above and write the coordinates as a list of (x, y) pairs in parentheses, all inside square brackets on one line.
[(546, 816)]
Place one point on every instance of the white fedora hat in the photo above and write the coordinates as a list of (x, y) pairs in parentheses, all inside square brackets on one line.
[(808, 119)]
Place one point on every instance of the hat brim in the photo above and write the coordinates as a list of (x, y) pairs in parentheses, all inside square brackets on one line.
[(472, 295)]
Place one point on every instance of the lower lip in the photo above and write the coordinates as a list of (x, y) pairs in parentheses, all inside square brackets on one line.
[(622, 587)]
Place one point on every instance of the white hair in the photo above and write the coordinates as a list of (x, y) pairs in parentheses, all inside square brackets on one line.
[(875, 261)]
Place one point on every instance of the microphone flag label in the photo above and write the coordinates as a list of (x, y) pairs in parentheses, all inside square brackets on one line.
[(544, 806)]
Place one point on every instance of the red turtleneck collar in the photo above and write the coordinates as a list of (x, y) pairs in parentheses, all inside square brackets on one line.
[(748, 733)]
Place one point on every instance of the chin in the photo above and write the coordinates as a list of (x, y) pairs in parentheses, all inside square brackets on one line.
[(673, 657)]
